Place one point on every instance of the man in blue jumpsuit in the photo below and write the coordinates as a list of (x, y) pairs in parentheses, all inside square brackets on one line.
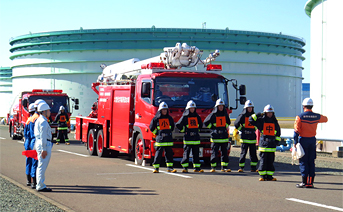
[(305, 128), (43, 145), (27, 144)]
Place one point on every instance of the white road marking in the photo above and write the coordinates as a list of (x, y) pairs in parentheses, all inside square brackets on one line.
[(72, 153), (151, 169), (123, 173), (315, 204), (21, 142), (2, 138)]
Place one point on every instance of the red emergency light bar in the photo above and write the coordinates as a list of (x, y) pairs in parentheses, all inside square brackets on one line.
[(46, 90), (153, 66), (212, 67)]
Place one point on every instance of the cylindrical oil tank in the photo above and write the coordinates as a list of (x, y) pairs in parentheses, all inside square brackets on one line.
[(5, 90), (326, 61), (270, 65)]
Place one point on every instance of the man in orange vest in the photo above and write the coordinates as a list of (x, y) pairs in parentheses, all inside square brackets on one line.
[(305, 128)]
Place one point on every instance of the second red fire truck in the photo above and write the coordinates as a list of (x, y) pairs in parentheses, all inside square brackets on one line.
[(130, 92)]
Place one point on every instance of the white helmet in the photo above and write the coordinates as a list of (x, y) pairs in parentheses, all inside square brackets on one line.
[(191, 104), (62, 108), (32, 107), (38, 101), (248, 103), (268, 108), (308, 102), (43, 107), (163, 105), (219, 102)]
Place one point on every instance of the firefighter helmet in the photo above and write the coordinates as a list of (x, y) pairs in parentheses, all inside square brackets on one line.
[(32, 107), (268, 108), (308, 102), (38, 101), (191, 104), (162, 106), (219, 102), (62, 108), (248, 103), (43, 107)]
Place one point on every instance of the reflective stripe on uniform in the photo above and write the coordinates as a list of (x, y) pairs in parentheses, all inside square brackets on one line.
[(254, 117), (225, 140), (262, 172), (264, 149), (164, 143), (156, 166), (154, 132), (209, 126), (277, 138), (62, 128), (185, 165), (240, 127), (270, 172), (169, 164), (224, 164), (241, 164), (191, 142), (196, 165), (253, 163), (246, 141), (213, 164)]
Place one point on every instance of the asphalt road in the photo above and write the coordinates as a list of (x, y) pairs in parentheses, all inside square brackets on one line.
[(84, 183)]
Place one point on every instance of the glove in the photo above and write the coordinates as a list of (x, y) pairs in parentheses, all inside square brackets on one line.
[(235, 132)]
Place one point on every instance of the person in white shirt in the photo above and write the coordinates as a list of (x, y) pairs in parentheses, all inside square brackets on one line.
[(43, 145)]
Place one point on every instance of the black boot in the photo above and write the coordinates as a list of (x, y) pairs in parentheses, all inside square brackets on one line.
[(34, 183), (302, 184), (28, 178)]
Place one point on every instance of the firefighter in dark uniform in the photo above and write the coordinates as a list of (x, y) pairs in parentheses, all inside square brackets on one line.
[(162, 125), (190, 123), (219, 121), (305, 128), (268, 125), (248, 136), (62, 130)]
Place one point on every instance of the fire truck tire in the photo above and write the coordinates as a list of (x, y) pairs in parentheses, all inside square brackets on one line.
[(139, 149), (91, 142), (101, 150), (14, 137)]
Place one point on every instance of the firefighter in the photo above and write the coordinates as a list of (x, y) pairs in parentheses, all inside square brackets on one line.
[(162, 125), (27, 144), (305, 128), (43, 145), (248, 136), (32, 138), (218, 121), (62, 130), (268, 125), (94, 112), (190, 123)]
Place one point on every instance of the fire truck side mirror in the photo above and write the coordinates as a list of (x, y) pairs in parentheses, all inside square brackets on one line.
[(242, 90), (77, 101), (242, 100), (76, 107), (145, 89)]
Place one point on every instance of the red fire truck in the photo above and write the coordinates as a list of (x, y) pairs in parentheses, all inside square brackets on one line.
[(130, 92), (54, 98)]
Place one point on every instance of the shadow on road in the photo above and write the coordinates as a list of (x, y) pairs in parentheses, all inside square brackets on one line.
[(107, 190)]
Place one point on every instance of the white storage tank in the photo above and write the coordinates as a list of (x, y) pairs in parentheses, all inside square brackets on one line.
[(269, 64), (5, 90)]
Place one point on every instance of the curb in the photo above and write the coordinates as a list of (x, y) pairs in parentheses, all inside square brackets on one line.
[(33, 191)]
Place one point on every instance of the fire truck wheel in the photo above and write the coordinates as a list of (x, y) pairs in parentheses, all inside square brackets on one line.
[(91, 142), (102, 152), (14, 137), (139, 149)]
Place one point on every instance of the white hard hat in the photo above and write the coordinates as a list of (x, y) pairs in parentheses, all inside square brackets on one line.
[(268, 108), (191, 104), (38, 101), (32, 107), (43, 107), (62, 108), (163, 105), (308, 102), (248, 103), (219, 102)]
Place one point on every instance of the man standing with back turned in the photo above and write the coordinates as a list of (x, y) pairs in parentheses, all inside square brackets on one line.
[(305, 128)]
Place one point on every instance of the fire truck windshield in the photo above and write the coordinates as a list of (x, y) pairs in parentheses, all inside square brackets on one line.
[(53, 101), (176, 92)]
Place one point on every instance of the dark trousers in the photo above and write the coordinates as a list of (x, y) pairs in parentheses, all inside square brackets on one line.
[(306, 163), (266, 163), (224, 156), (28, 161), (62, 135), (168, 151), (186, 151), (34, 163), (253, 157)]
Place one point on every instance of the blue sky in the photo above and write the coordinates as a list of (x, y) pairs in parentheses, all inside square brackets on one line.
[(19, 17)]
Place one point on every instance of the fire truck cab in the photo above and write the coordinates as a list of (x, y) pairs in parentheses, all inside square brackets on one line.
[(130, 92)]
